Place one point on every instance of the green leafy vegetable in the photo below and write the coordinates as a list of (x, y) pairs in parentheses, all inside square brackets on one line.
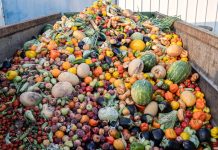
[(167, 120)]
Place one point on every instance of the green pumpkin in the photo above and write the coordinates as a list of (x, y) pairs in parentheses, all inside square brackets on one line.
[(149, 61), (141, 92), (178, 71), (137, 36)]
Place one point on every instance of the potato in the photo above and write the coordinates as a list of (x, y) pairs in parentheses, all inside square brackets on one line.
[(68, 77), (151, 108), (30, 98), (62, 89), (83, 70)]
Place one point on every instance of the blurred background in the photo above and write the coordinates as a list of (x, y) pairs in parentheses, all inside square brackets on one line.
[(196, 12)]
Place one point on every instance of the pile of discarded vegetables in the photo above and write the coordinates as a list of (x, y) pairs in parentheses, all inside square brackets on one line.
[(105, 78)]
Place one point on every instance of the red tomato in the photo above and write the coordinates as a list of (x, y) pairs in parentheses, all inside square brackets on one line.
[(110, 139), (144, 127)]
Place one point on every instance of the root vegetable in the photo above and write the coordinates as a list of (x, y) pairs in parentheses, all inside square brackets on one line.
[(151, 108), (62, 89), (30, 98), (68, 77), (180, 114), (83, 70)]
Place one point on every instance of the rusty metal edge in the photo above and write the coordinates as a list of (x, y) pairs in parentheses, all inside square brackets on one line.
[(11, 29)]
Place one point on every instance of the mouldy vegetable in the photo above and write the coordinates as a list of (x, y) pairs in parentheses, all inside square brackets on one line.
[(137, 36), (30, 98), (135, 67), (47, 111), (108, 114), (62, 89), (68, 77), (159, 72)]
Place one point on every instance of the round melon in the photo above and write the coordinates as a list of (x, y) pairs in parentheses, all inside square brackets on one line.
[(137, 36), (141, 92), (149, 61), (178, 71), (137, 45)]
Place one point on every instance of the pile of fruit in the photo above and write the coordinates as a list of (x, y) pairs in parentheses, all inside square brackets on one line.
[(105, 78)]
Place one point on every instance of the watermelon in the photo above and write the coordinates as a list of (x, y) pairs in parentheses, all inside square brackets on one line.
[(178, 71), (149, 61), (141, 92)]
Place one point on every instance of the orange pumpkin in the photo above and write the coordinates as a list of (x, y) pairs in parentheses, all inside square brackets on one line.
[(88, 79), (170, 134), (168, 96), (54, 54), (174, 88), (66, 65), (52, 45), (98, 71), (59, 134), (55, 72), (93, 122)]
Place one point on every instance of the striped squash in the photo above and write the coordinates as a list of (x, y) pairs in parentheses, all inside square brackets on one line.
[(149, 61), (141, 92), (178, 71)]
